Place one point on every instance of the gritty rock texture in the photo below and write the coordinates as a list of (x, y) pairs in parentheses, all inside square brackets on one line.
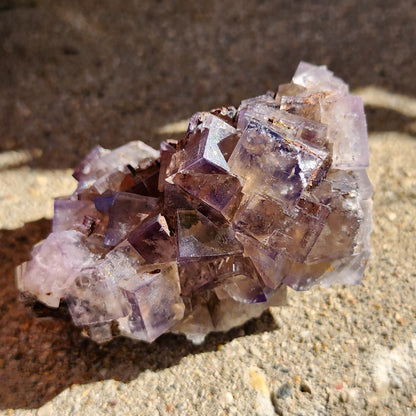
[(338, 351)]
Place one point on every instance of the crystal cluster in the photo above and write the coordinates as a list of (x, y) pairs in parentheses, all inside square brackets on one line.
[(210, 231)]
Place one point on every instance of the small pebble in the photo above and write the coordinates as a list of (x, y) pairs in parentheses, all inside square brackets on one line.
[(338, 386), (259, 382), (305, 388), (398, 318), (285, 391)]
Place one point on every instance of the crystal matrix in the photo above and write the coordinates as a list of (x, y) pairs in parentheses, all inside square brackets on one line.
[(210, 231)]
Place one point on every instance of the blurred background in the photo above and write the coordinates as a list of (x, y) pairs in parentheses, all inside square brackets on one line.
[(77, 73)]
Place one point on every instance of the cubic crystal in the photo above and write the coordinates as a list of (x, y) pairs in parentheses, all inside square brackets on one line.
[(210, 231)]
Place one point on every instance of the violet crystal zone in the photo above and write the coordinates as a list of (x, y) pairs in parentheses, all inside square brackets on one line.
[(210, 231)]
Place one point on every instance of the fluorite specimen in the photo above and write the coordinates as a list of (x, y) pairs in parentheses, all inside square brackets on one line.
[(210, 231)]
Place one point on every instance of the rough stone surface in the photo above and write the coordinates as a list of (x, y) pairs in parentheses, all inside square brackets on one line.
[(354, 347)]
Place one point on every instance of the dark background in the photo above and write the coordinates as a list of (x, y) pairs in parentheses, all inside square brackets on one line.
[(77, 73)]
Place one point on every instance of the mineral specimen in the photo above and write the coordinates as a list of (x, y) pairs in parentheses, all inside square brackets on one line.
[(210, 231)]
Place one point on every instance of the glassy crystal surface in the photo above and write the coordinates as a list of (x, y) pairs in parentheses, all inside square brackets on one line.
[(266, 220), (94, 298), (198, 237), (126, 213), (210, 231), (199, 275), (276, 164), (220, 192), (196, 324), (153, 240), (154, 296), (54, 266), (77, 215), (167, 150)]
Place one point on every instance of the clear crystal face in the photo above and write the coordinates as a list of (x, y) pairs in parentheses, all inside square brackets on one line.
[(210, 231)]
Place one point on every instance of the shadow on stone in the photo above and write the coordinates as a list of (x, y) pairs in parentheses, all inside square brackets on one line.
[(111, 75), (40, 357), (383, 119)]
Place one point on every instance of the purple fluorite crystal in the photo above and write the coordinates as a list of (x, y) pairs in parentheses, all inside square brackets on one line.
[(209, 232)]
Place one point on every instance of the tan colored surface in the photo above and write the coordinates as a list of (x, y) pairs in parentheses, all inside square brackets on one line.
[(353, 347), (75, 73)]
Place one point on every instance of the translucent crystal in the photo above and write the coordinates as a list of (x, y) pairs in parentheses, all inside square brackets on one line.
[(201, 152), (197, 324), (153, 240), (220, 192), (100, 332), (266, 220), (229, 313), (154, 297), (94, 298), (268, 261), (245, 286), (142, 181), (319, 79), (76, 215), (210, 231), (276, 165), (200, 275), (198, 237), (126, 213), (167, 150), (347, 131), (54, 266), (103, 170)]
